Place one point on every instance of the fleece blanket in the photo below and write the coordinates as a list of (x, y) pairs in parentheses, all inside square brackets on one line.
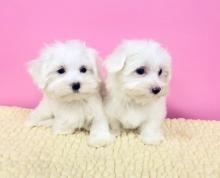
[(191, 150)]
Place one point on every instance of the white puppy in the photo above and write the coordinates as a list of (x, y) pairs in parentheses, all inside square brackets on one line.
[(139, 72), (67, 74)]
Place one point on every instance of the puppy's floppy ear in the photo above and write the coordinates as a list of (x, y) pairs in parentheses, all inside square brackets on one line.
[(35, 69), (93, 56), (116, 61)]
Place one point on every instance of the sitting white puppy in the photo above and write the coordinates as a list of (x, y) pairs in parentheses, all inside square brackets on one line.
[(67, 73), (139, 72)]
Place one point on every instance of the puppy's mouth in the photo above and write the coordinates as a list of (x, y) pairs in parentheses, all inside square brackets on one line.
[(75, 96), (71, 97)]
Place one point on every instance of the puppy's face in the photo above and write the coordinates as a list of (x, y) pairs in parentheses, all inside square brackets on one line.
[(141, 68), (66, 71)]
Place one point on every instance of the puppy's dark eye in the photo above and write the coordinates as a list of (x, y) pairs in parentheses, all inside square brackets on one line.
[(140, 70), (83, 69), (160, 71), (61, 70)]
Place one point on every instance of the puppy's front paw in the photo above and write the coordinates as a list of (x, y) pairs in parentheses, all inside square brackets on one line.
[(100, 140), (63, 132), (34, 122), (59, 131), (152, 139)]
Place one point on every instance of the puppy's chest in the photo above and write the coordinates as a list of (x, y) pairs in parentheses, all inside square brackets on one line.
[(81, 112), (78, 112), (132, 117)]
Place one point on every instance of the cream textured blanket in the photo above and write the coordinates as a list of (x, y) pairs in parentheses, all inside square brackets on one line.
[(191, 150)]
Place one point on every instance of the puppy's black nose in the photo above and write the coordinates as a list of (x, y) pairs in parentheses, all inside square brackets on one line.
[(155, 90), (76, 86)]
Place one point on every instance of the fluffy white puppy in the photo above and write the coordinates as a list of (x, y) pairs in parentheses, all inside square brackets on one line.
[(139, 72), (67, 73)]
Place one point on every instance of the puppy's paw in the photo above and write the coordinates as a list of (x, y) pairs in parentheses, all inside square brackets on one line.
[(101, 140), (33, 122), (63, 131), (152, 139)]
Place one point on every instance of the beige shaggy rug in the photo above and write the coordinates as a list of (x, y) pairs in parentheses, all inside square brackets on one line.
[(191, 150)]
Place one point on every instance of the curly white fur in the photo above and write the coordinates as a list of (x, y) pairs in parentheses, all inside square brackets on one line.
[(135, 69), (58, 68)]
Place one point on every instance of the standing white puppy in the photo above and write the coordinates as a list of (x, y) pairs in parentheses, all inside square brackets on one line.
[(139, 72), (68, 76)]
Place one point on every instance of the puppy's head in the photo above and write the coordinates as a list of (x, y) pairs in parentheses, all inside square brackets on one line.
[(66, 71), (140, 69)]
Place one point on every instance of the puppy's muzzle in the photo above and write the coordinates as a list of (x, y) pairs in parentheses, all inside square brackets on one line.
[(155, 90), (76, 86)]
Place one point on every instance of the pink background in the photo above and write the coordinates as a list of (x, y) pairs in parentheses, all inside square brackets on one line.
[(189, 29)]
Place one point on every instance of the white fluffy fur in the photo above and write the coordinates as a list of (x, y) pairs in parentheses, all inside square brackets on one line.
[(129, 101), (61, 107)]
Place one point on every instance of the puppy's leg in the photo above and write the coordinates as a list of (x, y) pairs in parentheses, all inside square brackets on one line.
[(41, 116), (100, 134), (99, 131), (151, 132)]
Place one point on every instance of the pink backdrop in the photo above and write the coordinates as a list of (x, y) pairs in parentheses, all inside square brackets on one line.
[(189, 29)]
